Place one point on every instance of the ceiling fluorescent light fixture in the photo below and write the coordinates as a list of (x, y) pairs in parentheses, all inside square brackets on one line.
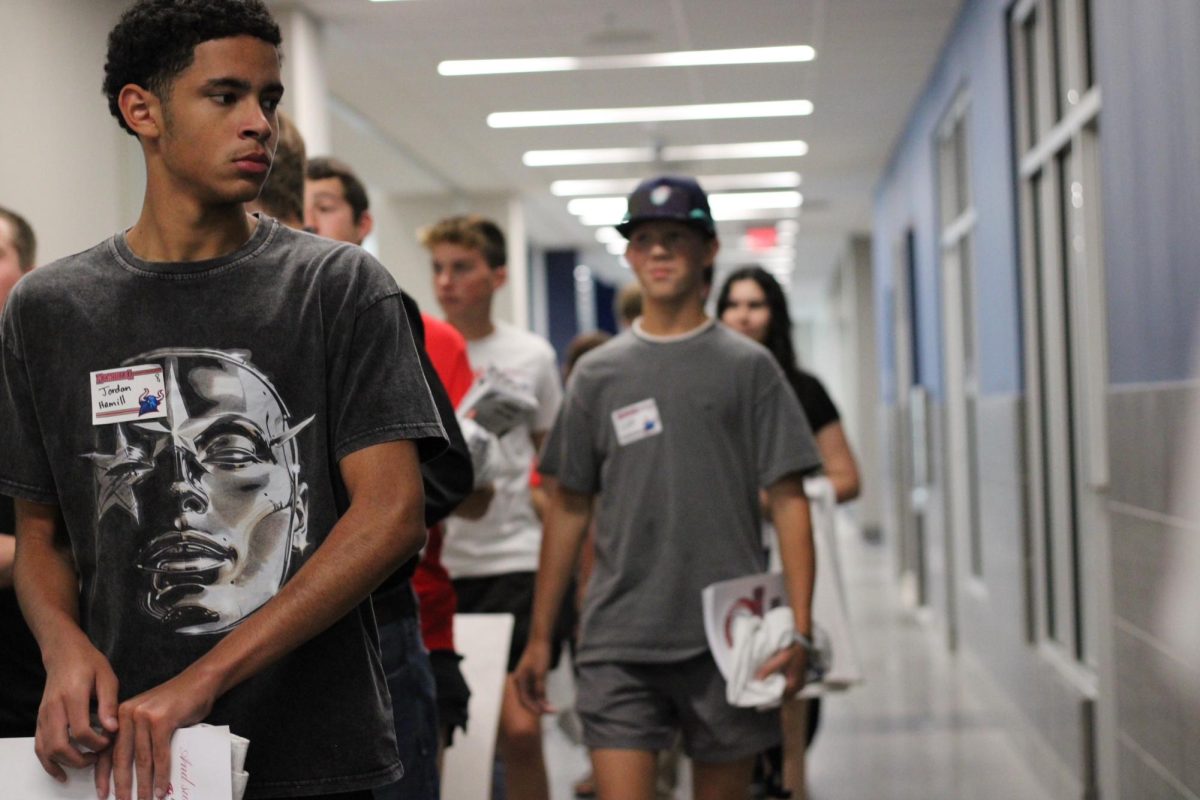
[(726, 215), (598, 206), (683, 58), (609, 234), (602, 211), (707, 152), (711, 183), (604, 155), (641, 155), (611, 116)]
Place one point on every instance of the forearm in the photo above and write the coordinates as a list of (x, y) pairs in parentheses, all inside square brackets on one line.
[(537, 498), (364, 547), (793, 525), (383, 528), (567, 517), (45, 580), (840, 465), (476, 504), (845, 485)]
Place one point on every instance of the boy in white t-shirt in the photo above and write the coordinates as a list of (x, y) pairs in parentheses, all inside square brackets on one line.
[(491, 547)]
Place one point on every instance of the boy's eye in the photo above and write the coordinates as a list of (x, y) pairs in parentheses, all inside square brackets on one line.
[(271, 104)]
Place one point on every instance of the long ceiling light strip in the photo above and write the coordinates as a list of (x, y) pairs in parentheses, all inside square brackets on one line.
[(613, 116), (604, 155), (719, 202), (711, 183), (704, 152), (643, 155), (728, 215), (683, 58)]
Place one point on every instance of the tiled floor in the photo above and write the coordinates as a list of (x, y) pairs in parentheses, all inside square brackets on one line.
[(913, 731)]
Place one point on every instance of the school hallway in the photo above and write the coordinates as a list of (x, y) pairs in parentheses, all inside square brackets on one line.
[(920, 728)]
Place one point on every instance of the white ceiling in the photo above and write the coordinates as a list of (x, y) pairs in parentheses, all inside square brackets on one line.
[(427, 133)]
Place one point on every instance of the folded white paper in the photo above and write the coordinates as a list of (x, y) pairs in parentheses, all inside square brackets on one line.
[(497, 403)]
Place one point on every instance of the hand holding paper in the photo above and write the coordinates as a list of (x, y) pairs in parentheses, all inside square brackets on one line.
[(146, 724), (497, 403), (76, 672), (206, 764)]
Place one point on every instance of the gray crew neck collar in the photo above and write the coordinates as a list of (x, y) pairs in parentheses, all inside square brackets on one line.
[(263, 233), (640, 332)]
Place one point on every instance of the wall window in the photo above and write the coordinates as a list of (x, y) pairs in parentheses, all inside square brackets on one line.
[(962, 358), (1056, 109)]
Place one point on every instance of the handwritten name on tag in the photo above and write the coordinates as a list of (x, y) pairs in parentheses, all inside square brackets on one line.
[(128, 393)]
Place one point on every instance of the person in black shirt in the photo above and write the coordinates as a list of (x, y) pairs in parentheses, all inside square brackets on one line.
[(752, 302), (226, 420)]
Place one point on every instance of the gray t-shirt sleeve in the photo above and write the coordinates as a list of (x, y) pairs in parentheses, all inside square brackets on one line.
[(24, 469), (376, 388), (785, 441), (569, 453), (548, 458)]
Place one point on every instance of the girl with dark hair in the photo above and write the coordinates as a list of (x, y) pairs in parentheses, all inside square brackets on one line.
[(753, 303)]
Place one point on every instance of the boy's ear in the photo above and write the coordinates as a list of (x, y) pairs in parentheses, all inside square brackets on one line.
[(142, 111), (366, 224), (499, 276), (714, 245)]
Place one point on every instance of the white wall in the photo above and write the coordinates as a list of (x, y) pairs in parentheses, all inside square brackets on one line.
[(65, 165), (843, 356)]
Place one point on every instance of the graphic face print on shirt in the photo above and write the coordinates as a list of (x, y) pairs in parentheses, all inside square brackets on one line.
[(202, 510)]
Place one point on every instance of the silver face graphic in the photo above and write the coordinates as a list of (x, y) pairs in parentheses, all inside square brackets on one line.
[(212, 494)]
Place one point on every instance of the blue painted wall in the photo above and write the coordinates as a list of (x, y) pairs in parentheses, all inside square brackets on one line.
[(560, 299), (975, 59), (606, 294)]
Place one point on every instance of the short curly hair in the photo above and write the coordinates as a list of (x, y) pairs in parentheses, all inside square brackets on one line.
[(155, 40)]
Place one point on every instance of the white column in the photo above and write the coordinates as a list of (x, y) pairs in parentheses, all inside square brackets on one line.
[(306, 98), (65, 164), (518, 266)]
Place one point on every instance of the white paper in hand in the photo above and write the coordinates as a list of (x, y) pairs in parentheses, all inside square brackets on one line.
[(201, 758), (498, 403), (724, 601)]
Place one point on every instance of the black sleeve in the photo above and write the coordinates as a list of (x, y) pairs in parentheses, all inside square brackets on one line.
[(448, 478), (815, 401), (8, 517)]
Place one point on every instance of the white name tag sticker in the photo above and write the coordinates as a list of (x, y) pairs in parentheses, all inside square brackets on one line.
[(128, 393), (636, 422)]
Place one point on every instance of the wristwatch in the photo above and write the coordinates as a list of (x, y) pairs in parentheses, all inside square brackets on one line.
[(802, 640)]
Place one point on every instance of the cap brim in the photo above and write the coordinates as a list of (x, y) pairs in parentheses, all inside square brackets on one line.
[(626, 228)]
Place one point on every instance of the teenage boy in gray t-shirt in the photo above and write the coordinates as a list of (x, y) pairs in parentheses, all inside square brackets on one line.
[(674, 425), (212, 425)]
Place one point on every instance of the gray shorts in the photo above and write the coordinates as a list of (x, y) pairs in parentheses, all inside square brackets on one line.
[(625, 706)]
